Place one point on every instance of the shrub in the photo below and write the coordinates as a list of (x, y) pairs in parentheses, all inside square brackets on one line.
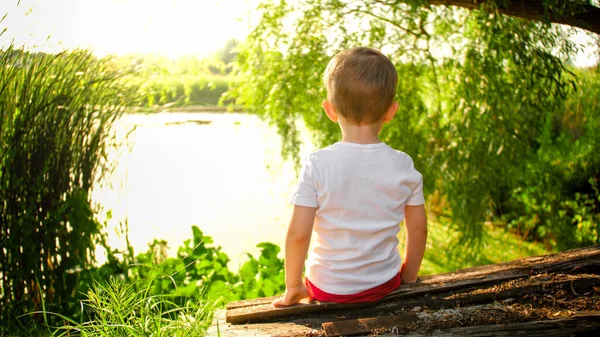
[(199, 271), (557, 197)]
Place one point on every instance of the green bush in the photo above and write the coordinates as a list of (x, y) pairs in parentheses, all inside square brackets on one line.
[(557, 197), (152, 294), (199, 271), (55, 114)]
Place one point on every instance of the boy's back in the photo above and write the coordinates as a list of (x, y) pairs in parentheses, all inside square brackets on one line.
[(354, 194), (360, 191)]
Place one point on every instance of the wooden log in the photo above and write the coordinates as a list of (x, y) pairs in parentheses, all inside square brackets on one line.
[(478, 315), (457, 305), (581, 324), (470, 296), (261, 312), (573, 261), (251, 302), (364, 326), (220, 328), (498, 292)]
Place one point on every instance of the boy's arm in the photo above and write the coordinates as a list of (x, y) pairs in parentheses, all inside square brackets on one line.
[(415, 221), (297, 242)]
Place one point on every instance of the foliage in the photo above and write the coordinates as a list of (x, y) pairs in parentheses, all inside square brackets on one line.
[(119, 309), (152, 293), (558, 194), (55, 114), (178, 82), (226, 56), (444, 254), (476, 90), (184, 90), (199, 271)]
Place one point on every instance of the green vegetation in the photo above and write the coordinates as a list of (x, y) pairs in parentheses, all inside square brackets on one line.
[(186, 81), (55, 115), (176, 296), (445, 254), (501, 126), (199, 271), (118, 309), (155, 294)]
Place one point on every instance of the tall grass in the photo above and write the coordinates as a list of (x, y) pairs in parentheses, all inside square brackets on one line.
[(56, 111), (118, 309)]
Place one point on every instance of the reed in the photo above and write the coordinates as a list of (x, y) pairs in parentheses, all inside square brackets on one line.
[(56, 111)]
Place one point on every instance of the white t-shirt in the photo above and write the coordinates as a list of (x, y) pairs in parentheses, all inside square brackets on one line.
[(360, 191)]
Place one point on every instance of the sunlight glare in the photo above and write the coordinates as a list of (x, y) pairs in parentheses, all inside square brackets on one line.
[(169, 27)]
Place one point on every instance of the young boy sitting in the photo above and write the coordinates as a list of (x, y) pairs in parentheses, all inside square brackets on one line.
[(354, 194)]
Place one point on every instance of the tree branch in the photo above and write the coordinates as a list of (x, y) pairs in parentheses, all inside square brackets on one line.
[(587, 16)]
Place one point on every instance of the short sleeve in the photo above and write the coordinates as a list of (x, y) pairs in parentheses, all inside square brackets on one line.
[(417, 197), (306, 190)]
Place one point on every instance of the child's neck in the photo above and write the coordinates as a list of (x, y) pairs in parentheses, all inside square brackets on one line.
[(360, 134)]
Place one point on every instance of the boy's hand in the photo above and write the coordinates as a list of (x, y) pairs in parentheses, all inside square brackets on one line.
[(292, 296), (405, 278)]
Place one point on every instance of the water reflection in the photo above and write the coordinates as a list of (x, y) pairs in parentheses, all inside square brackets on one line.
[(221, 172)]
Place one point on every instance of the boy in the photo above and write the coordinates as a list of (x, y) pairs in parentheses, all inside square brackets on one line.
[(354, 194)]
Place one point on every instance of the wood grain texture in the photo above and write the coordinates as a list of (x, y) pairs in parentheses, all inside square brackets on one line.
[(578, 260), (364, 326), (582, 324)]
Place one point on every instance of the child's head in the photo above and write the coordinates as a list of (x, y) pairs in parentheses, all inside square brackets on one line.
[(361, 84)]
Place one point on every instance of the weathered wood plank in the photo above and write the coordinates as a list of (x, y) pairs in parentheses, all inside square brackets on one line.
[(498, 292), (399, 323), (574, 260), (411, 320), (364, 326), (265, 311), (558, 261), (220, 328), (251, 302), (581, 324)]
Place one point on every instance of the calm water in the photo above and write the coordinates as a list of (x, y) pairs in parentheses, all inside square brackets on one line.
[(221, 172)]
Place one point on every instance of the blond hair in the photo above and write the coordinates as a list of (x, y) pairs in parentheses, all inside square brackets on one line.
[(361, 84)]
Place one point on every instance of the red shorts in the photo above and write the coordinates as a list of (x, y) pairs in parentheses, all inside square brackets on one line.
[(369, 295)]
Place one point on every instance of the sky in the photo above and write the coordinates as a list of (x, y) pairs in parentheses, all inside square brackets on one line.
[(169, 27)]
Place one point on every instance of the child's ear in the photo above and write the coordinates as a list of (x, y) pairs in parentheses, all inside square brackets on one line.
[(391, 112), (330, 111)]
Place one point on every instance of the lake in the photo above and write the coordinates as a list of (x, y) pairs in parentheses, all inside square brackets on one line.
[(219, 171)]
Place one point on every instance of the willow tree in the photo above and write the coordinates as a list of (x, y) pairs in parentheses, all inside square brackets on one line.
[(479, 82)]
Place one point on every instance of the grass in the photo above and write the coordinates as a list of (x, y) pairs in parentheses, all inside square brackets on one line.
[(118, 309), (445, 253)]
